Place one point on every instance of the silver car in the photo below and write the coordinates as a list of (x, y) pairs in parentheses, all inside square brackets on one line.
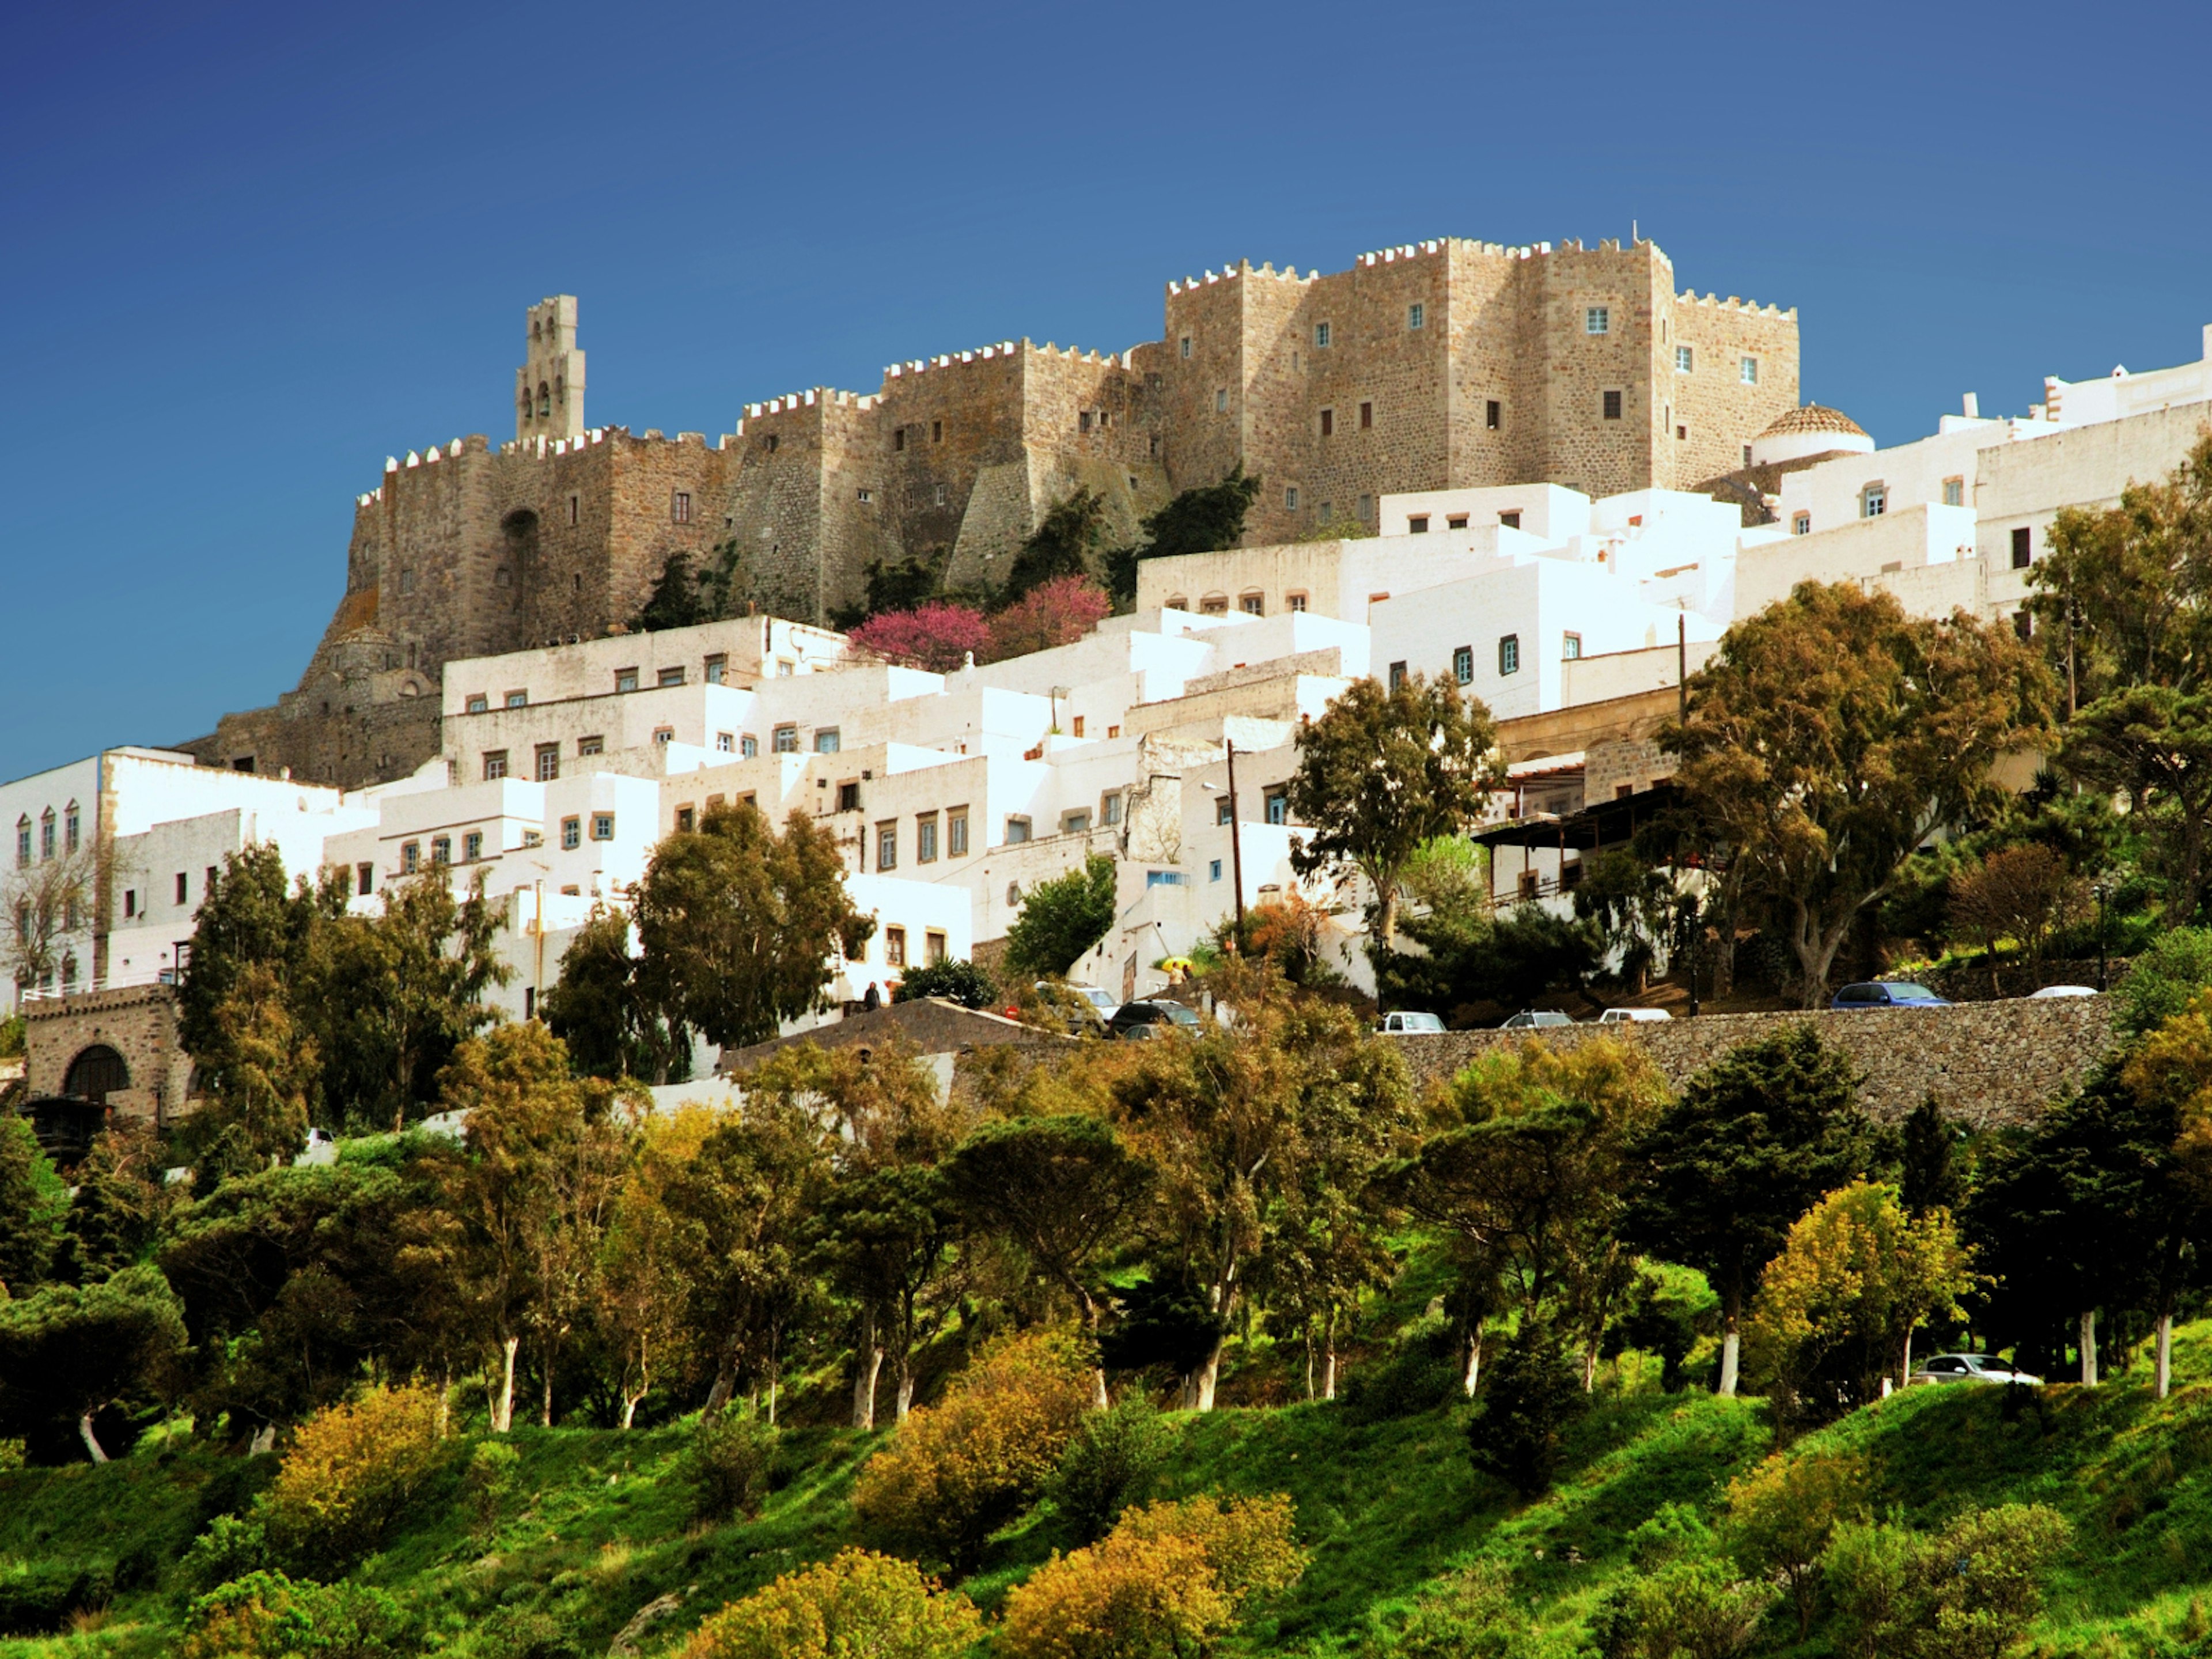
[(1969, 1368), (1528, 1018)]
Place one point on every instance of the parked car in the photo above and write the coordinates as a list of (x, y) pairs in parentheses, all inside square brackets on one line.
[(2052, 992), (1135, 1020), (1089, 994), (1887, 993), (1632, 1016), (1969, 1368), (1528, 1017), (1407, 1023)]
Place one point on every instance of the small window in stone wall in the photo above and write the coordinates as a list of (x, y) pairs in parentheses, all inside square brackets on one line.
[(1684, 359), (478, 704), (939, 498), (1186, 345), (576, 507), (1510, 521), (1366, 416), (602, 826), (1329, 424), (680, 508), (1463, 664), (2023, 548), (1294, 602), (937, 432), (1252, 605), (1291, 498), (625, 679), (748, 746), (1801, 524), (548, 762), (671, 677), (495, 765), (1509, 654), (1221, 400), (773, 441), (1455, 521), (1320, 334), (1612, 405), (1418, 524), (898, 438), (1954, 492), (1397, 675), (596, 745), (1571, 648), (865, 494), (1749, 370), (1416, 314), (1493, 414), (1597, 320), (1874, 501), (472, 846), (2023, 624), (411, 860), (718, 670), (572, 833)]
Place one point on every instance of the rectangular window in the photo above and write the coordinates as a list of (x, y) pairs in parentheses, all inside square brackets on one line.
[(925, 838), (1510, 521), (130, 902), (1366, 416), (1571, 648), (1455, 521), (548, 762), (725, 743), (1954, 492), (602, 826), (669, 677), (1418, 524), (784, 740), (1463, 664), (364, 879), (1277, 804), (827, 741), (1320, 334), (680, 508), (1291, 498), (478, 703), (1801, 524), (1509, 654), (1186, 345), (2023, 624), (748, 746), (1017, 831), (1221, 813), (1597, 320), (1213, 870), (572, 833), (1749, 370), (411, 859), (184, 888), (1082, 421), (575, 507), (956, 833), (894, 947), (1221, 400), (591, 745), (518, 699), (1078, 724), (1075, 823), (1493, 414), (495, 765), (848, 797), (1109, 808), (718, 671), (625, 679), (1252, 604), (664, 735), (1682, 360), (898, 438), (1874, 501), (1415, 315), (70, 833), (1682, 436), (1294, 602), (937, 432), (865, 494), (1397, 675), (1329, 424), (2023, 548), (441, 849), (933, 947), (938, 498), (686, 820), (1612, 405), (472, 846), (1366, 506)]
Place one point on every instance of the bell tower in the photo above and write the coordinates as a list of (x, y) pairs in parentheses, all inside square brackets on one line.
[(548, 387)]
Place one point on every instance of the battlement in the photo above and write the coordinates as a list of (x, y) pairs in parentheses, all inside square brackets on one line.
[(1750, 307), (999, 351)]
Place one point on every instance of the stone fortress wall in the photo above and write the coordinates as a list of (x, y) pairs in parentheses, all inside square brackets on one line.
[(1334, 388)]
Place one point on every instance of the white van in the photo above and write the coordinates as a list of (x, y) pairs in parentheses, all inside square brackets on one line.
[(1632, 1016)]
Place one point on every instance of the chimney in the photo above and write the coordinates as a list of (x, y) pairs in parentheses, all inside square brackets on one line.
[(1972, 405)]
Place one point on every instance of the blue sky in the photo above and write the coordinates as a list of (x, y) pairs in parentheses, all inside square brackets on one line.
[(247, 251)]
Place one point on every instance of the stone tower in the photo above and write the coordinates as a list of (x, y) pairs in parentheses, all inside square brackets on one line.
[(548, 387)]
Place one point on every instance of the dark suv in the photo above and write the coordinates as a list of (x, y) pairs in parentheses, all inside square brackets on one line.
[(1151, 1020)]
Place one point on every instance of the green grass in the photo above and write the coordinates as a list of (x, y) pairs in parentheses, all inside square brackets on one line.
[(599, 1523)]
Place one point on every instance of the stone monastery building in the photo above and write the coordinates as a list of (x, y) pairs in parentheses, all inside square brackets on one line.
[(1444, 365)]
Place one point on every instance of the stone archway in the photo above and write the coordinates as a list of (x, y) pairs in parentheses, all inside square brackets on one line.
[(97, 1073)]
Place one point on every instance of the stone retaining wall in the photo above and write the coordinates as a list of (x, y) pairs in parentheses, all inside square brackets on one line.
[(1988, 1063)]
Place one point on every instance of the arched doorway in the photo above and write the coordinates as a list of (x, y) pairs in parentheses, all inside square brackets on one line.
[(96, 1073)]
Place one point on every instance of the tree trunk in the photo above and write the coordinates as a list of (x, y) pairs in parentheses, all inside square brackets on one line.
[(1474, 1363), (2088, 1345), (546, 1404), (630, 1406), (2164, 1352), (1329, 1358), (502, 1405), (1199, 1388), (1731, 1352), (867, 1366), (1386, 900), (1310, 1362), (91, 1440), (905, 1400), (1904, 1361)]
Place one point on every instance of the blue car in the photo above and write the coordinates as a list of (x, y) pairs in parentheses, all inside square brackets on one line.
[(1882, 994)]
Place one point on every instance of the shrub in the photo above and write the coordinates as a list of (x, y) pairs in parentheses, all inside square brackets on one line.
[(11, 1456), (936, 636), (2165, 979), (1421, 1376), (1689, 1609), (350, 1471), (1528, 1399), (231, 1548), (1061, 919), (1171, 1579), (489, 1480), (266, 1615), (728, 1465), (1469, 1615), (954, 980), (1974, 1589), (37, 1598), (959, 1470), (1108, 1464), (858, 1603), (1781, 1515)]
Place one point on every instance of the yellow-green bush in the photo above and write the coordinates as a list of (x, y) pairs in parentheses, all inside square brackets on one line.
[(858, 1603), (1171, 1579), (349, 1473), (959, 1470)]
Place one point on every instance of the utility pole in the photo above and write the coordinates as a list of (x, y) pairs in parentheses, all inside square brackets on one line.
[(1682, 668), (1235, 841)]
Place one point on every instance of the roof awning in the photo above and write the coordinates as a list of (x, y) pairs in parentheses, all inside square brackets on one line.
[(1608, 824)]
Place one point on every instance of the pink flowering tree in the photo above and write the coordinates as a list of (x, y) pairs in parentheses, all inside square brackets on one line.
[(937, 636), (1060, 612)]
